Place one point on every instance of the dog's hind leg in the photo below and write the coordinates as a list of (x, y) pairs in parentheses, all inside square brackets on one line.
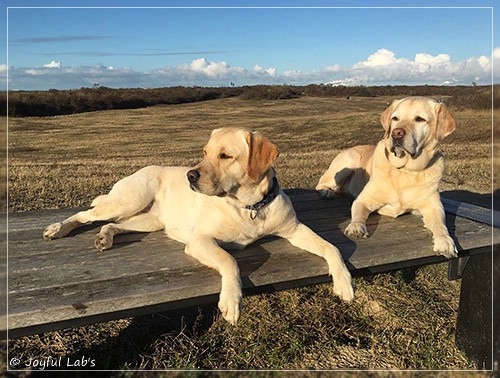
[(347, 173), (128, 197), (144, 222), (340, 170)]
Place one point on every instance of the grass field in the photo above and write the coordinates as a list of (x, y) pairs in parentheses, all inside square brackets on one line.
[(397, 321)]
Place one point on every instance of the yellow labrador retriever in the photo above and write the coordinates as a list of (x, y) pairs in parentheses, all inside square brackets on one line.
[(231, 198), (401, 173)]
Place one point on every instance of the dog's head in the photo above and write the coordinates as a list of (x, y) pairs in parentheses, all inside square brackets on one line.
[(414, 126), (235, 162)]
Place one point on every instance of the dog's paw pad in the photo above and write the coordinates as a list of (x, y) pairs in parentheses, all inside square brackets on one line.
[(444, 245), (326, 194), (356, 230), (53, 231), (103, 242)]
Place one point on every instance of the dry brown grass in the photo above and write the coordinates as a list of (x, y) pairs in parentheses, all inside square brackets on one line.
[(394, 323)]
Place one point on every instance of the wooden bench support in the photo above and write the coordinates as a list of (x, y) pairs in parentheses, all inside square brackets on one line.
[(474, 326), (66, 282), (474, 322), (496, 310)]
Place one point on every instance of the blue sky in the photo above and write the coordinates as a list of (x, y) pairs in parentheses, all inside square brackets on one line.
[(153, 47)]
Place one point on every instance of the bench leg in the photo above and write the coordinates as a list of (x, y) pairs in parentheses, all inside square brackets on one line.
[(496, 309), (473, 333)]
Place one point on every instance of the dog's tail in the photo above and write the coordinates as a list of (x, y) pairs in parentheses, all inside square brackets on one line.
[(98, 200)]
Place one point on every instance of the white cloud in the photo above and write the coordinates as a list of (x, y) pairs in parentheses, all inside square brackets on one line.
[(432, 60), (496, 53), (211, 69), (383, 67), (270, 71), (53, 64), (334, 68), (293, 74), (382, 57)]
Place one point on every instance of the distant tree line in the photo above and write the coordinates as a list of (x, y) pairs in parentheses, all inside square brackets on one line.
[(59, 102)]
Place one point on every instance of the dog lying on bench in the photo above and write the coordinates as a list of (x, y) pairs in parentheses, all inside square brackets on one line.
[(231, 198), (401, 173)]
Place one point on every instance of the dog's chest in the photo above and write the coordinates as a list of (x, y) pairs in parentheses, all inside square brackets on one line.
[(252, 227), (406, 195), (393, 210)]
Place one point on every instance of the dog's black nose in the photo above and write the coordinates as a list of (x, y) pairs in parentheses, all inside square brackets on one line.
[(398, 133), (193, 176)]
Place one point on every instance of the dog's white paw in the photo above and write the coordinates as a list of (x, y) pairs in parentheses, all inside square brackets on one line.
[(54, 231), (444, 245), (326, 194), (356, 230), (342, 285), (230, 301), (103, 241)]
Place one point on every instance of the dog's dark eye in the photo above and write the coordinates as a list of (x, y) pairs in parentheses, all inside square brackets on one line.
[(419, 119), (395, 118), (224, 156)]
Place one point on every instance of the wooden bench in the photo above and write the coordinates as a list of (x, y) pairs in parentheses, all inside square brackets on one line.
[(68, 283)]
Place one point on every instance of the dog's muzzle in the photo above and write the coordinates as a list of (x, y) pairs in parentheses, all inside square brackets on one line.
[(398, 147), (194, 176)]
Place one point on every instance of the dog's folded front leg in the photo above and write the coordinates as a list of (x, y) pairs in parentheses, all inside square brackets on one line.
[(209, 253), (303, 237)]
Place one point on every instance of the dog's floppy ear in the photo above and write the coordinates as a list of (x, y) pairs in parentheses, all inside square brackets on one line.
[(445, 122), (385, 118), (261, 155), (215, 131)]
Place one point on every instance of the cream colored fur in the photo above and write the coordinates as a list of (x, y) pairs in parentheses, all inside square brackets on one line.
[(398, 175), (209, 212)]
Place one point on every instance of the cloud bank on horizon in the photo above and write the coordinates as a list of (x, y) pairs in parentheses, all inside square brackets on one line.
[(383, 67)]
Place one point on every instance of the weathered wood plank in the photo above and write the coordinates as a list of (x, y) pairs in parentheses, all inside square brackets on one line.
[(466, 210), (66, 282)]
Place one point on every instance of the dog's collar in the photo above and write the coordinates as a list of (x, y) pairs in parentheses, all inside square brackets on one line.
[(268, 197)]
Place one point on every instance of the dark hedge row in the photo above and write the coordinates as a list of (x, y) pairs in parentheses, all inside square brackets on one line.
[(58, 102)]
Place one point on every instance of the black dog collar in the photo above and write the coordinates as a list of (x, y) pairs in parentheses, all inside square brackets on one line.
[(268, 197)]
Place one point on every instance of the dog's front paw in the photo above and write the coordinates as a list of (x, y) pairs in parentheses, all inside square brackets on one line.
[(326, 194), (356, 230), (103, 241), (444, 245), (230, 304), (342, 285), (54, 231)]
